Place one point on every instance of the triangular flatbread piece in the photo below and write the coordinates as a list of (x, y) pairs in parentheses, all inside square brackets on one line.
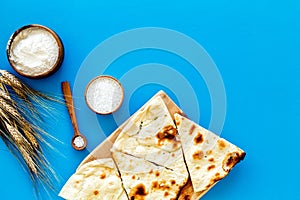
[(208, 157), (151, 134), (144, 180), (98, 179)]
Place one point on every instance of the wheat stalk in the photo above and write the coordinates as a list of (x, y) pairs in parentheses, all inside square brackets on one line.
[(16, 135), (4, 95), (9, 109), (31, 138), (6, 109), (28, 159), (20, 130), (22, 145), (11, 78), (15, 84)]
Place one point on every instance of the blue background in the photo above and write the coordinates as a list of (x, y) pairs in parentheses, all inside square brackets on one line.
[(256, 46)]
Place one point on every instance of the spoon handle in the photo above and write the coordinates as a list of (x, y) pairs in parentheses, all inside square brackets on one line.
[(70, 105)]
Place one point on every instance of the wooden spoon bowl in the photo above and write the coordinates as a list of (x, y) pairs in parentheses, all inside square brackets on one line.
[(84, 142)]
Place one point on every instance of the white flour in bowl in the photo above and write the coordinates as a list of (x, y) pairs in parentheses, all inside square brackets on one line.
[(34, 51), (104, 95)]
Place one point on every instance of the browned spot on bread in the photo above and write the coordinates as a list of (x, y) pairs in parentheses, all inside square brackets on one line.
[(215, 179), (103, 176), (192, 129), (232, 159), (162, 185), (155, 185), (166, 194), (211, 160), (177, 121), (138, 192), (187, 197), (165, 187), (151, 171), (221, 144), (198, 155), (198, 138), (211, 167), (133, 177), (167, 134), (173, 155), (198, 167), (209, 152), (157, 173), (176, 144), (173, 182), (77, 182), (96, 192)]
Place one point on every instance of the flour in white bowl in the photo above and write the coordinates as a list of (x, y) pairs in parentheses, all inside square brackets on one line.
[(104, 95), (34, 51)]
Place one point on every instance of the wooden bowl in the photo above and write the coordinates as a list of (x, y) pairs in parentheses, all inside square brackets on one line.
[(92, 82), (43, 74)]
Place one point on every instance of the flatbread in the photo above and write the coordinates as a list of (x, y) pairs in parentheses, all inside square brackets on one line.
[(98, 179), (208, 157), (151, 134), (144, 180)]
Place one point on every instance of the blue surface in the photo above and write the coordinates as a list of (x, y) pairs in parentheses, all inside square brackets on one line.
[(255, 45)]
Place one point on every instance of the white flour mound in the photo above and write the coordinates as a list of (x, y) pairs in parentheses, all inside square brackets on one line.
[(34, 51)]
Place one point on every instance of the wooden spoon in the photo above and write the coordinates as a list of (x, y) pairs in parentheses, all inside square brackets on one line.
[(80, 139)]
